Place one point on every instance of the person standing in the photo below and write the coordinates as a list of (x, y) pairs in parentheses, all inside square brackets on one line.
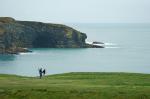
[(44, 72), (40, 72)]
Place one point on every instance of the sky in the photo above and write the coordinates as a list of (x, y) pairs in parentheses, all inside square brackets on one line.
[(77, 11)]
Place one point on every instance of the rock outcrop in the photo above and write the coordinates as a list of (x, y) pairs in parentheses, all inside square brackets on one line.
[(15, 36)]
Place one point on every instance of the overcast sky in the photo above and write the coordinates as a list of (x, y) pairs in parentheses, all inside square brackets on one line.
[(78, 11)]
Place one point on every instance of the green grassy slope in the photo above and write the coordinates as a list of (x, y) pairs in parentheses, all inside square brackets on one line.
[(76, 86)]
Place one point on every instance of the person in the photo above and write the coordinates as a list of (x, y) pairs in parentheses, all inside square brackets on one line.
[(44, 72), (40, 72)]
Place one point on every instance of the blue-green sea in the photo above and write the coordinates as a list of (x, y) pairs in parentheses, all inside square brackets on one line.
[(127, 50)]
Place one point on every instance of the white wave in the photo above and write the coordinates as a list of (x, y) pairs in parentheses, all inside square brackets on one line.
[(89, 42), (28, 53), (99, 44), (110, 44)]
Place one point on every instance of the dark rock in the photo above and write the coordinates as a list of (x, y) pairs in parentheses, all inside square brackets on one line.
[(96, 42), (95, 46)]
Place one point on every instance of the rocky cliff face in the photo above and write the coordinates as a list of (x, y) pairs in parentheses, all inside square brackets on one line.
[(17, 35)]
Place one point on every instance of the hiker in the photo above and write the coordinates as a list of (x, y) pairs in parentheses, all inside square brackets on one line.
[(40, 72), (44, 72)]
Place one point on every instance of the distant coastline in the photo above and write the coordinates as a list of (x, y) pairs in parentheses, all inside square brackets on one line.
[(17, 36)]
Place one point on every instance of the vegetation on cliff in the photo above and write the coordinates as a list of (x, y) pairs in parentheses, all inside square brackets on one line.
[(15, 35)]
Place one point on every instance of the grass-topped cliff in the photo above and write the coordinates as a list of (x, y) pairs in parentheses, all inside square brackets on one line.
[(76, 86), (16, 35)]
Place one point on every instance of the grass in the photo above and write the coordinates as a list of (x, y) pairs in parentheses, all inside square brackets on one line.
[(76, 86)]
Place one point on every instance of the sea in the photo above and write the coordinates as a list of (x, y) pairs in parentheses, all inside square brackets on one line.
[(127, 49)]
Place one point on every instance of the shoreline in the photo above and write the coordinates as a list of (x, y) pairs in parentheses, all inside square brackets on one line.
[(132, 73)]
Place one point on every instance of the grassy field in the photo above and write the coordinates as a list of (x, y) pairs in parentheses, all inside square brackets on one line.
[(76, 86)]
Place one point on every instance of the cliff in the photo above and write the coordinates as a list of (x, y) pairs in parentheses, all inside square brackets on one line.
[(15, 36)]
